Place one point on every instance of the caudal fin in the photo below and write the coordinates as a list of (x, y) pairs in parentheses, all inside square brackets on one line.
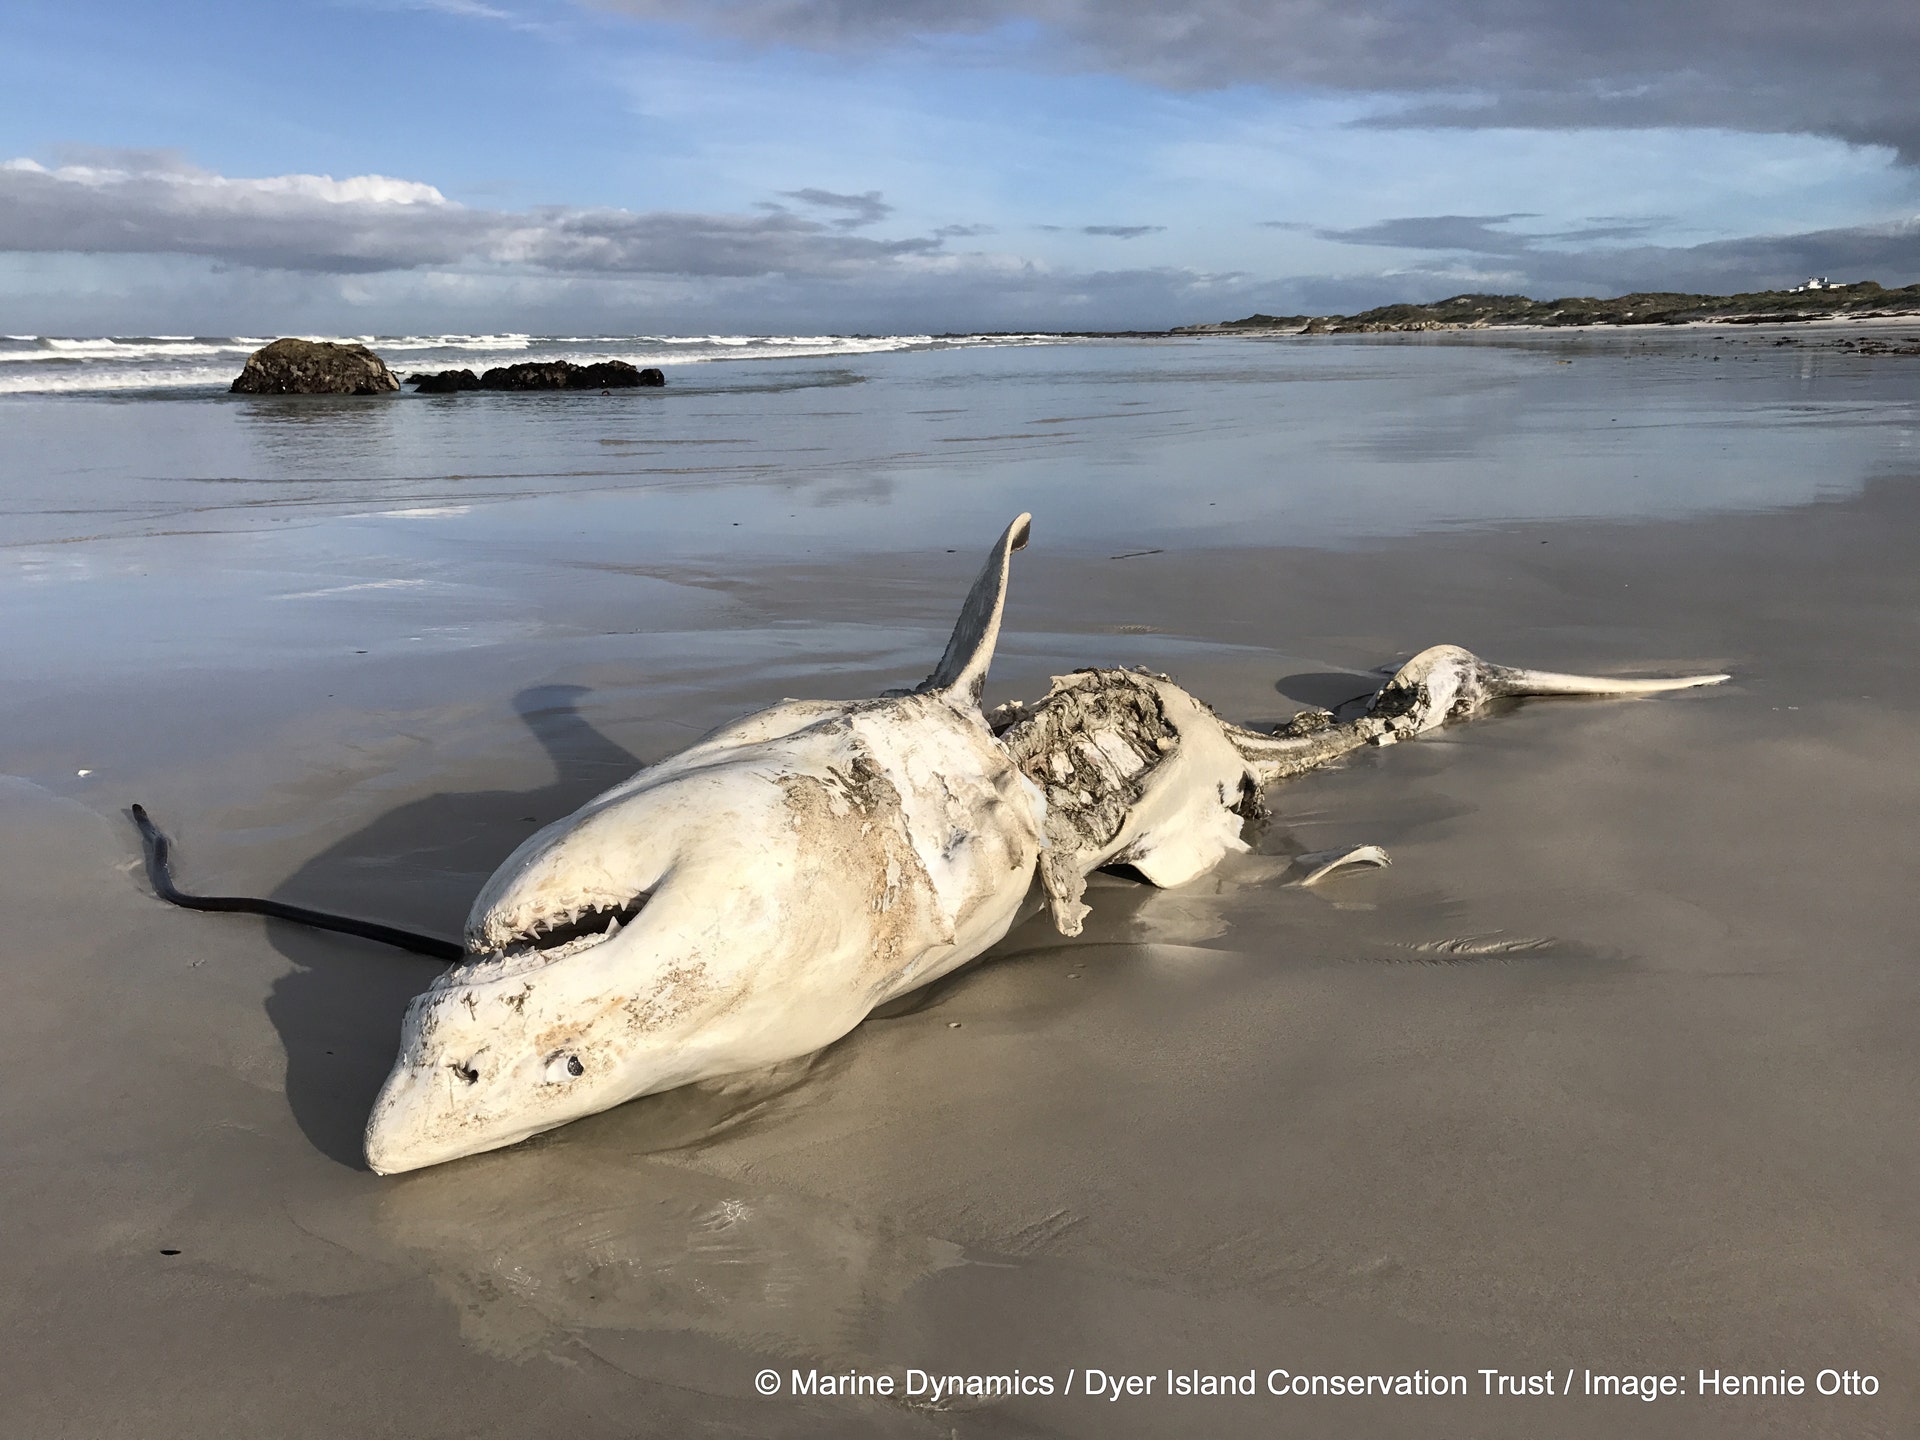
[(962, 672)]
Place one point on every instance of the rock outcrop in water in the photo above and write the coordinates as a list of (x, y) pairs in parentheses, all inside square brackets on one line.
[(314, 367), (444, 383), (565, 375), (539, 375)]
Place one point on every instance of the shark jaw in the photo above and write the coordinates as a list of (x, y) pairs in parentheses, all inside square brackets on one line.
[(484, 1063)]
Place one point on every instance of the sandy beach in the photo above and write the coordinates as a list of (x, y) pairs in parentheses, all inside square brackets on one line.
[(1613, 1071)]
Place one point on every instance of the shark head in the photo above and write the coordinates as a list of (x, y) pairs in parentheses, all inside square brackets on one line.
[(558, 1011), (485, 1061)]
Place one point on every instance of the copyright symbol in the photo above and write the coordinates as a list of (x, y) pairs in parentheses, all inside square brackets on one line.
[(767, 1382)]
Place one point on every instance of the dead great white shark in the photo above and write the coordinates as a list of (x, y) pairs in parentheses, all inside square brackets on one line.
[(753, 898)]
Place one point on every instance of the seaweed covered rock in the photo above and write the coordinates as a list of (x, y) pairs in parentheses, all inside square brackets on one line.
[(527, 375), (565, 375), (314, 367), (444, 382), (614, 375)]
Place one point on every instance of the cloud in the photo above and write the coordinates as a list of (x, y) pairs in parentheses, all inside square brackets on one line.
[(145, 204), (1889, 253), (1117, 232), (953, 294), (460, 9), (1762, 65), (1476, 234), (1567, 262), (863, 209), (151, 161), (147, 239), (195, 251), (465, 9)]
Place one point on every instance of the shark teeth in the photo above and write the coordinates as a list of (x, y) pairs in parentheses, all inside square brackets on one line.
[(565, 930)]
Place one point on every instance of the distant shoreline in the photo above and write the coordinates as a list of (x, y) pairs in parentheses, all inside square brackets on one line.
[(1864, 300), (1515, 327)]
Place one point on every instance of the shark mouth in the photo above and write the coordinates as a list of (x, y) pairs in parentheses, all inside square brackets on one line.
[(559, 935)]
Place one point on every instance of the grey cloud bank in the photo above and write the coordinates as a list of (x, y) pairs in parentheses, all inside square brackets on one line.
[(863, 209), (1764, 65), (1474, 234), (375, 252), (183, 295), (1551, 264), (374, 223), (816, 258), (195, 249), (1111, 232)]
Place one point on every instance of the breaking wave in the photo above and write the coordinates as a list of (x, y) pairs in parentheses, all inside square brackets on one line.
[(51, 364)]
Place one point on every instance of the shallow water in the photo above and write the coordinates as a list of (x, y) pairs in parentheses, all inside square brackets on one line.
[(1111, 444)]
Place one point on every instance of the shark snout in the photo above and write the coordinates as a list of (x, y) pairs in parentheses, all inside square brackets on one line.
[(505, 1047), (434, 1108), (399, 1132)]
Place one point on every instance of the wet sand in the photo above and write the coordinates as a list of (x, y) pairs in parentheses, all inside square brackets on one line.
[(1614, 1069)]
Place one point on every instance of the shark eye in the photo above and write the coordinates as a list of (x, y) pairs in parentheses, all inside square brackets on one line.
[(467, 1072), (564, 1067)]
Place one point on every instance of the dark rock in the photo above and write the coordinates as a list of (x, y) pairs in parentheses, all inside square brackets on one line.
[(613, 375), (565, 375), (446, 382), (528, 375), (314, 367)]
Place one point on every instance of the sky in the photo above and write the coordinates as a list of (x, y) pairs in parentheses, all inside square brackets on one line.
[(906, 166)]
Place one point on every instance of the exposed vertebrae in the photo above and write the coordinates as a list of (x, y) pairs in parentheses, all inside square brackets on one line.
[(1090, 746)]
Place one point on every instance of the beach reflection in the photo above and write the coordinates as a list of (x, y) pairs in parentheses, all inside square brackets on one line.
[(1222, 442), (587, 1242)]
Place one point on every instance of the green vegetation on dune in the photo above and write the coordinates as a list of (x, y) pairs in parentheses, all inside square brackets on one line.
[(1865, 298)]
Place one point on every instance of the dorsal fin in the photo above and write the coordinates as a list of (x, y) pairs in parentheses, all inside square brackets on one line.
[(962, 671)]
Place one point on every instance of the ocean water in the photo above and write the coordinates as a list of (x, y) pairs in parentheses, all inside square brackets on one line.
[(53, 365), (773, 446)]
